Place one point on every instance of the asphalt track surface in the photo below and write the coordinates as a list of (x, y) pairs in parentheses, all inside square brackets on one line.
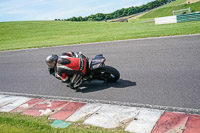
[(156, 71)]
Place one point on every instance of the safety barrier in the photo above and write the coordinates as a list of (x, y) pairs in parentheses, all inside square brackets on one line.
[(188, 17), (166, 20)]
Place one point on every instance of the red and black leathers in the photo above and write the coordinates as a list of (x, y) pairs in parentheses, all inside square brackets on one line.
[(70, 67)]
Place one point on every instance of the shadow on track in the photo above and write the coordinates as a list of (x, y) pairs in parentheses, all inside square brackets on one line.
[(99, 85)]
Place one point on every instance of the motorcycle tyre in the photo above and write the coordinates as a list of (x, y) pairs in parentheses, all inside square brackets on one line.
[(71, 86), (108, 70)]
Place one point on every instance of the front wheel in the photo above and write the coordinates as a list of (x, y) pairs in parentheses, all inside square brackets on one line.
[(75, 85), (107, 73)]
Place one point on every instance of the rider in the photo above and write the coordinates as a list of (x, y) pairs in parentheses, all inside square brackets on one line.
[(69, 67)]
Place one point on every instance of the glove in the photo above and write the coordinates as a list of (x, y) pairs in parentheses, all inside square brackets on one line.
[(51, 71)]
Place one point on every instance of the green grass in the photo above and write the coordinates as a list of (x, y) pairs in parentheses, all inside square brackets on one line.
[(33, 34), (175, 3), (16, 123), (179, 2)]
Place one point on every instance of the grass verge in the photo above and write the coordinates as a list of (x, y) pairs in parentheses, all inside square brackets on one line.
[(17, 123), (34, 34)]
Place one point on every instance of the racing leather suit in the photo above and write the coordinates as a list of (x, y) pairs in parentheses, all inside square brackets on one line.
[(70, 68)]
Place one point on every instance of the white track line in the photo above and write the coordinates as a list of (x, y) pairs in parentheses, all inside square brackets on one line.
[(72, 45)]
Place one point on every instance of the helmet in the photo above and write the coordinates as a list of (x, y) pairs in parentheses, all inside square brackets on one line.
[(51, 60)]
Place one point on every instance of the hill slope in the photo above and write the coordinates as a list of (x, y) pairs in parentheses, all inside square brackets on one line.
[(168, 9)]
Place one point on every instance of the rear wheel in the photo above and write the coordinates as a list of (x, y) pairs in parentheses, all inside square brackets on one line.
[(107, 73)]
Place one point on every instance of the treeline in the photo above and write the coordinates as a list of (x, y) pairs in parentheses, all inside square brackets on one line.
[(120, 13)]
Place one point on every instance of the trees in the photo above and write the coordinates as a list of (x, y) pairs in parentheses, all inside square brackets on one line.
[(122, 12)]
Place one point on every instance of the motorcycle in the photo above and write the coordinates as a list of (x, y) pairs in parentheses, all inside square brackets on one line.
[(97, 70)]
